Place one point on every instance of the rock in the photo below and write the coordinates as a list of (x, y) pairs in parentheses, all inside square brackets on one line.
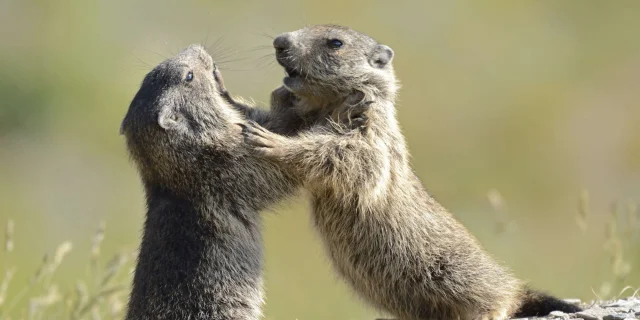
[(624, 306), (617, 316), (592, 314), (573, 301)]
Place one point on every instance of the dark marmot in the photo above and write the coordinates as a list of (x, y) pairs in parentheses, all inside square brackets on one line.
[(391, 241), (201, 250)]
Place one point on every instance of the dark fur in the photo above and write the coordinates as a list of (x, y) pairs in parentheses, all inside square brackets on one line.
[(201, 250), (392, 242), (536, 303)]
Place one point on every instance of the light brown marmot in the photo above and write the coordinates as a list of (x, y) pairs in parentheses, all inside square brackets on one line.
[(389, 239)]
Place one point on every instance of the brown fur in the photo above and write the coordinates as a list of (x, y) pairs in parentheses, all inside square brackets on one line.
[(390, 240)]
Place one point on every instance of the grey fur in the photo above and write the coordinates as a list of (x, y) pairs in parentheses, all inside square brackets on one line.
[(201, 250), (390, 240)]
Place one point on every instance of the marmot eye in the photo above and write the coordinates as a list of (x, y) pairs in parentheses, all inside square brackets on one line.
[(189, 76), (335, 43)]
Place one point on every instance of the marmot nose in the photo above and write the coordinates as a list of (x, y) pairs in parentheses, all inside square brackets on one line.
[(282, 43)]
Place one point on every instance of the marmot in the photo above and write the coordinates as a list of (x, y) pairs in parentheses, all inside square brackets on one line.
[(391, 241), (201, 250)]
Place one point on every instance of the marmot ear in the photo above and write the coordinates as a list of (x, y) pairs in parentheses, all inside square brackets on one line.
[(170, 119), (381, 56)]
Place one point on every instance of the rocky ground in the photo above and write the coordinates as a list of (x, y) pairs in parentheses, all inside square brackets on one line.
[(621, 309)]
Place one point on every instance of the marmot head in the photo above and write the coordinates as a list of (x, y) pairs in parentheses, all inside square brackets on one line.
[(178, 120), (330, 60)]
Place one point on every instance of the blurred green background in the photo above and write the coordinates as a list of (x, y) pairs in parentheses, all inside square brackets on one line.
[(536, 99)]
